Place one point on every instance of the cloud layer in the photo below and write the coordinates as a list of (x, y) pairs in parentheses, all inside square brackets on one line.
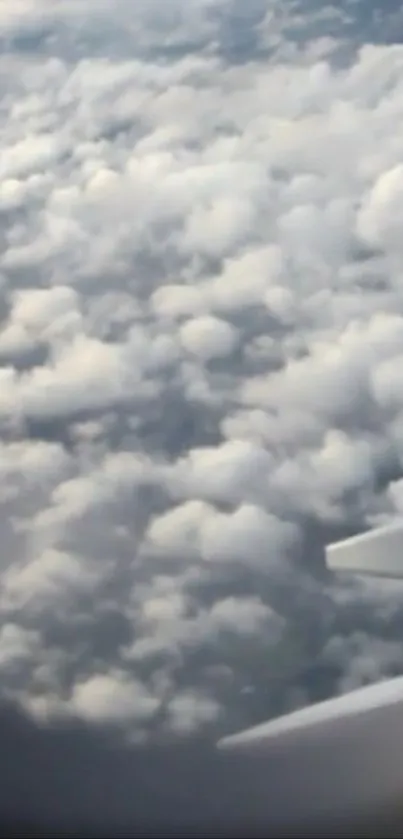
[(201, 347)]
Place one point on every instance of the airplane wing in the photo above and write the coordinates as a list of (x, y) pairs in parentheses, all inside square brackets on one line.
[(378, 553), (339, 760), (333, 766)]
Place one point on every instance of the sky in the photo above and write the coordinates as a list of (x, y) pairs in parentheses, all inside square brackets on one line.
[(201, 346)]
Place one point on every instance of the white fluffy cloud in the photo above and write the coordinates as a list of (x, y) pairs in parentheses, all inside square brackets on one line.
[(208, 337), (113, 696), (201, 341)]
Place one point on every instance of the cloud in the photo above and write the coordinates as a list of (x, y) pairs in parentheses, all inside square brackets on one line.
[(200, 343), (103, 698), (208, 337)]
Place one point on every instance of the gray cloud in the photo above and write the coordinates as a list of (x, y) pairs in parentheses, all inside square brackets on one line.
[(200, 342)]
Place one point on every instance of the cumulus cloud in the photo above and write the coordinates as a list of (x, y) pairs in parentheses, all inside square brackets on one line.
[(200, 354), (208, 337)]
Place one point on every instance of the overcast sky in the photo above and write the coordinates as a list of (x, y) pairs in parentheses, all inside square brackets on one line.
[(201, 350)]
